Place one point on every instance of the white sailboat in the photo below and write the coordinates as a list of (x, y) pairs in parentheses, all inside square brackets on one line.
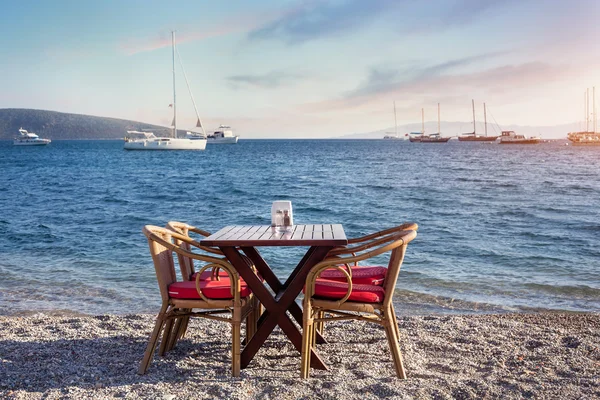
[(148, 141), (395, 136)]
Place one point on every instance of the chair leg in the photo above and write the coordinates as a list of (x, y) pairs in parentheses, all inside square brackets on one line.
[(184, 326), (236, 323), (393, 342), (307, 340), (320, 326), (153, 339), (166, 337), (174, 335), (395, 322)]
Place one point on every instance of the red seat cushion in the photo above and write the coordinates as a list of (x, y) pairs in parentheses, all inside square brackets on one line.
[(217, 290), (207, 274), (360, 275), (360, 293)]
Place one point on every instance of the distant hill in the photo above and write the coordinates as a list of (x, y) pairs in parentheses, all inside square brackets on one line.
[(57, 125), (455, 128)]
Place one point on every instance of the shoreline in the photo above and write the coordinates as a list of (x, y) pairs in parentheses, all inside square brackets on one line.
[(511, 355)]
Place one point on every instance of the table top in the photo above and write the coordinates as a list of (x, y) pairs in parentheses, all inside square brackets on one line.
[(265, 235)]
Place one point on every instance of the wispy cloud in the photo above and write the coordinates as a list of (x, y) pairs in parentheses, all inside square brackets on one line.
[(430, 81), (270, 80), (234, 24), (314, 19)]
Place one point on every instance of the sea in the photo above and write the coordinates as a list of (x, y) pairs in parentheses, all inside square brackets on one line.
[(501, 228)]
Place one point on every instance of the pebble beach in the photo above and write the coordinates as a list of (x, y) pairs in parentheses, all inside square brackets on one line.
[(510, 356)]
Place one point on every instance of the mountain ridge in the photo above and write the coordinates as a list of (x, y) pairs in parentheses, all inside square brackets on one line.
[(57, 125)]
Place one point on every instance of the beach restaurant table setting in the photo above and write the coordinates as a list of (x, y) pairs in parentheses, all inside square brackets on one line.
[(236, 280)]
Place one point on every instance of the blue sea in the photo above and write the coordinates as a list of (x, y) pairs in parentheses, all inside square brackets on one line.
[(502, 228)]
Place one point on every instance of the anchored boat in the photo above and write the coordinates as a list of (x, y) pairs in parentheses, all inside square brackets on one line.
[(29, 139), (148, 141)]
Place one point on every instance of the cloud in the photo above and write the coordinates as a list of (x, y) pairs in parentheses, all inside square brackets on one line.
[(233, 24), (314, 19), (269, 80), (432, 82)]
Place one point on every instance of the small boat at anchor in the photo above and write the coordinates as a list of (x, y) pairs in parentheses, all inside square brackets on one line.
[(510, 137), (136, 140), (222, 135), (587, 137), (433, 137), (389, 136), (473, 136), (29, 139)]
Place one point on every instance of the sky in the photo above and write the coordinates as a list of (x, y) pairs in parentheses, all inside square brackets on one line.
[(289, 68)]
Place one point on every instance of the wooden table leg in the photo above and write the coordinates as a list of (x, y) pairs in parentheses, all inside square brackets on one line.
[(266, 272), (276, 308)]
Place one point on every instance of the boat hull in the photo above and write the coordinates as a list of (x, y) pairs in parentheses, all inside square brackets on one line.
[(41, 142), (435, 140), (224, 140), (414, 139), (525, 141), (477, 138), (594, 143), (164, 145)]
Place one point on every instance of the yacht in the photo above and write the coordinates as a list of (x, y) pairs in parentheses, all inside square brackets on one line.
[(587, 137), (429, 138), (136, 140), (222, 135), (510, 137), (29, 139), (389, 136), (473, 136)]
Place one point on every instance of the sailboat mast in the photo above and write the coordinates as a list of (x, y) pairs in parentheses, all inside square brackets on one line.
[(594, 109), (474, 125), (395, 121), (422, 121), (439, 119), (485, 119), (174, 98), (587, 110)]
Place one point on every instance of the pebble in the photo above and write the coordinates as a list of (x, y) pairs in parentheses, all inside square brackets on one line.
[(458, 356)]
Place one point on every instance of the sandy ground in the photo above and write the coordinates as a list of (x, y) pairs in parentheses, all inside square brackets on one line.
[(465, 357)]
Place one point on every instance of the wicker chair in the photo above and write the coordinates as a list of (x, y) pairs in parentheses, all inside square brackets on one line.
[(213, 297), (371, 275), (326, 300), (188, 272)]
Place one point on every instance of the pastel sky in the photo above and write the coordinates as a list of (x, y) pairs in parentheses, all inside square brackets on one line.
[(289, 68)]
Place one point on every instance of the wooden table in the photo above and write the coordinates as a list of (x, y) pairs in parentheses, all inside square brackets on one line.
[(320, 238)]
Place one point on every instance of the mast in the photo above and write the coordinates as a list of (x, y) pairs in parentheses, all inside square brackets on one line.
[(395, 121), (587, 110), (594, 108), (485, 119), (174, 102), (422, 121), (439, 119), (474, 125)]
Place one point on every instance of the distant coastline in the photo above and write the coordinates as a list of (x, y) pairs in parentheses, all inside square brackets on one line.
[(66, 126)]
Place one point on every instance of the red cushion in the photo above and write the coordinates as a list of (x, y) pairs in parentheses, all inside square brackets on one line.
[(207, 274), (360, 275), (337, 290), (210, 289)]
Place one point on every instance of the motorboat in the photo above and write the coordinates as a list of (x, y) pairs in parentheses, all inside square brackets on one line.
[(510, 137), (222, 135), (29, 139)]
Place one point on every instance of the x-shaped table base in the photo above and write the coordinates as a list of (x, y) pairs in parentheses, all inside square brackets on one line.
[(276, 307)]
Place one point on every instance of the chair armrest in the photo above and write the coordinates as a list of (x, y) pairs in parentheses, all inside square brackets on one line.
[(408, 226)]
